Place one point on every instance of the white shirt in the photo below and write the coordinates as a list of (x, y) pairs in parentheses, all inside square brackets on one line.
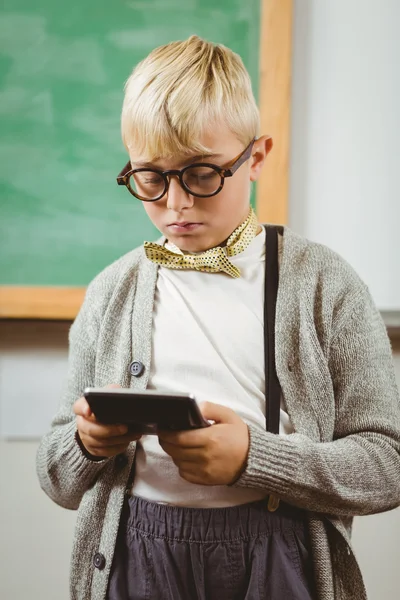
[(208, 340)]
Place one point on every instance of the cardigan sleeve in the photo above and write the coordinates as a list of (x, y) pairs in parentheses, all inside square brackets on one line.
[(64, 471), (358, 472)]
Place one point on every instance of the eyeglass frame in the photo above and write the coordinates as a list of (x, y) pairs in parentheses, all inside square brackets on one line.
[(126, 173)]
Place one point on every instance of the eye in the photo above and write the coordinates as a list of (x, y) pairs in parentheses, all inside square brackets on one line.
[(205, 176), (201, 173), (148, 178)]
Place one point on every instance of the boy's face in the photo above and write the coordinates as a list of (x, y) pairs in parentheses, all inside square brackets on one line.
[(208, 221)]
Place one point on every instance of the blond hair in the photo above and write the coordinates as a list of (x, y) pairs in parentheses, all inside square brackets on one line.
[(180, 91)]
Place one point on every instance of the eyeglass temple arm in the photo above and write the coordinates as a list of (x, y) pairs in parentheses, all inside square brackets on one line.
[(240, 160), (122, 175)]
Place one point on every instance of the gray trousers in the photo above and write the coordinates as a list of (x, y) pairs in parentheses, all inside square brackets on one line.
[(236, 553)]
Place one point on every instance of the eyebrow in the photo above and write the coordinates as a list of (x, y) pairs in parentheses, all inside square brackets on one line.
[(191, 159)]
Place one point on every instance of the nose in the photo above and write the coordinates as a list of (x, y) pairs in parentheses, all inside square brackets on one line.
[(177, 197)]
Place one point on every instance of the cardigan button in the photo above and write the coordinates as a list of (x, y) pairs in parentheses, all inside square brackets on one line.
[(99, 561), (136, 368), (290, 367), (121, 460)]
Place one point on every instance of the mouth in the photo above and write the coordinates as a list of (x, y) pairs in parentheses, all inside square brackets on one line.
[(183, 226)]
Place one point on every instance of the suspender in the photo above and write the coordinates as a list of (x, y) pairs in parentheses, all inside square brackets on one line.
[(272, 385)]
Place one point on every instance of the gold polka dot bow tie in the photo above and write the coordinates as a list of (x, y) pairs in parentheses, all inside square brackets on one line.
[(211, 261)]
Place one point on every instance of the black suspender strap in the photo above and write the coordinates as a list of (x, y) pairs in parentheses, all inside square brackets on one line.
[(272, 385)]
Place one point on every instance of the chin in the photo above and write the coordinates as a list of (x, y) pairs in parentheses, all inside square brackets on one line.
[(188, 243)]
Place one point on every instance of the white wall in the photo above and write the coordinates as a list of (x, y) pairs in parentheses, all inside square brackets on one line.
[(36, 535), (345, 158), (344, 184), (24, 349)]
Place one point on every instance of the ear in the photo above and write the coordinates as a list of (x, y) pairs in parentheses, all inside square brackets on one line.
[(262, 147)]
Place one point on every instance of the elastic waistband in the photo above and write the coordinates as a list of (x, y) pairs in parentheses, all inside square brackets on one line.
[(211, 524)]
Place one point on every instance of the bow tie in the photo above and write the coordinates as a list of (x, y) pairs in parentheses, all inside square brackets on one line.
[(211, 261)]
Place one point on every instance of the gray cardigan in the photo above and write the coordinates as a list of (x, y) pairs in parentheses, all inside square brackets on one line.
[(334, 363)]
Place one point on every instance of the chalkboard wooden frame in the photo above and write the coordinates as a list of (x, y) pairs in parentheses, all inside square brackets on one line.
[(63, 303), (40, 302), (275, 105)]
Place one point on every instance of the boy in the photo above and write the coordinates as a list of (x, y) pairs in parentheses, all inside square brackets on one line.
[(186, 515)]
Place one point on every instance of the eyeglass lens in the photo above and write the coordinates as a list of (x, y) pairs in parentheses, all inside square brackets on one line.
[(198, 180)]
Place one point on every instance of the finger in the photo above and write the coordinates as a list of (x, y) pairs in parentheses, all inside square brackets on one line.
[(218, 413), (196, 438), (108, 442), (107, 452), (99, 430), (179, 453), (81, 407), (191, 473)]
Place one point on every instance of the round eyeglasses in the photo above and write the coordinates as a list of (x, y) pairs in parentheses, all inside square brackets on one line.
[(202, 180)]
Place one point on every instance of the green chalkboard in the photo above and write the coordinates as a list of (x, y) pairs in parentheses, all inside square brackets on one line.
[(62, 70)]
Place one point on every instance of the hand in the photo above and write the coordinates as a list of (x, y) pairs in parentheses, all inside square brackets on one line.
[(98, 439), (214, 455)]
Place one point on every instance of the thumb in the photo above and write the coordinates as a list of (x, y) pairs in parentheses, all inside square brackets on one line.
[(82, 408), (218, 413)]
